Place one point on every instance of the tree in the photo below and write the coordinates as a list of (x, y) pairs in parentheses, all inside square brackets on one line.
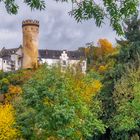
[(11, 83), (130, 49), (12, 7), (120, 93), (106, 46), (60, 106), (125, 121), (7, 122), (101, 57), (4, 83), (115, 11), (13, 92)]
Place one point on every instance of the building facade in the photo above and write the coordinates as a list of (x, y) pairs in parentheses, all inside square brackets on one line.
[(64, 59), (12, 59)]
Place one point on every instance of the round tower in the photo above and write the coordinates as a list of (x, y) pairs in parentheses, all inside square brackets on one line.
[(30, 30)]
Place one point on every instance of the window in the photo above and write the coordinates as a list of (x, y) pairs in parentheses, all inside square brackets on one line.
[(19, 62), (83, 63), (64, 62)]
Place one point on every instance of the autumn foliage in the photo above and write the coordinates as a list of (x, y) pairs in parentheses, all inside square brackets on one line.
[(89, 88), (51, 104), (14, 89), (106, 47), (7, 122), (59, 106), (13, 92)]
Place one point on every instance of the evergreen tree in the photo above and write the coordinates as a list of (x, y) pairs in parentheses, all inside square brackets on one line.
[(128, 57)]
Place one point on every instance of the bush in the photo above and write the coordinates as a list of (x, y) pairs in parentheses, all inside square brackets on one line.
[(54, 105)]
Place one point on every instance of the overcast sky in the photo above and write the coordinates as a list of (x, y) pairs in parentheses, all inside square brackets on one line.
[(58, 30)]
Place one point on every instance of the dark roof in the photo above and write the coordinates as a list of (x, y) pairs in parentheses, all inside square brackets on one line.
[(7, 52), (52, 54), (55, 54), (76, 55)]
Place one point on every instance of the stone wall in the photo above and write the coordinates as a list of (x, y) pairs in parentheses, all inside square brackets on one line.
[(30, 43)]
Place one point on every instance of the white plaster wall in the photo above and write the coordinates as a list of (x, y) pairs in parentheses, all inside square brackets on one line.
[(70, 63), (51, 62), (84, 66), (20, 54), (1, 63), (15, 57), (6, 66)]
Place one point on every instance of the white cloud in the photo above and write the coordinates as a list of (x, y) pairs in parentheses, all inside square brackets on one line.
[(58, 30)]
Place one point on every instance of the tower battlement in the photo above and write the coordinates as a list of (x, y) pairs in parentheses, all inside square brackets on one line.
[(30, 22)]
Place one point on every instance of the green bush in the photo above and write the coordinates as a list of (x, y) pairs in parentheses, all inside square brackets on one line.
[(52, 106)]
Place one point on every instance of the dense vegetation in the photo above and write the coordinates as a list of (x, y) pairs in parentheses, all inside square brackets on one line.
[(104, 104)]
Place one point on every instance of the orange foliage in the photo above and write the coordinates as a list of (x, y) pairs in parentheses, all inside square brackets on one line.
[(106, 46), (13, 91)]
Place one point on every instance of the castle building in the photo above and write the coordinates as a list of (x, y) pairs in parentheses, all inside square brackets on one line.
[(11, 59), (63, 58), (28, 55)]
